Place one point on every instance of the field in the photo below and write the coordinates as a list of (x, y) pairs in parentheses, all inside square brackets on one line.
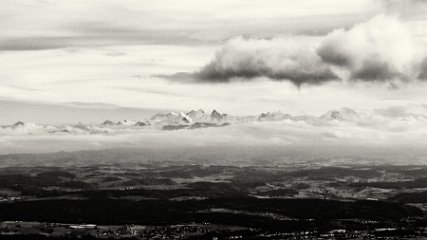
[(200, 201)]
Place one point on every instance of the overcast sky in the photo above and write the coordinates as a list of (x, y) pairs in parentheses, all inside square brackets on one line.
[(240, 56)]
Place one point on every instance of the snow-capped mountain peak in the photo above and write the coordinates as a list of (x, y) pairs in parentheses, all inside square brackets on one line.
[(216, 116), (341, 114), (18, 124), (273, 116), (197, 116)]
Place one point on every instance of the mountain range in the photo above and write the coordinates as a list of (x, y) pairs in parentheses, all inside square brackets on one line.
[(196, 119)]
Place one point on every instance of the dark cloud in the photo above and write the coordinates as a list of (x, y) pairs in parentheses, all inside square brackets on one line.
[(34, 43), (330, 53), (373, 70), (423, 72), (46, 43), (277, 59), (179, 76), (382, 49), (245, 70), (95, 34)]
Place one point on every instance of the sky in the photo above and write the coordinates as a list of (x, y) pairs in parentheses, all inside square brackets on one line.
[(69, 61), (241, 57)]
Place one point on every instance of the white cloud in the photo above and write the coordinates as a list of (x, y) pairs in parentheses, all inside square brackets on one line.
[(81, 68), (29, 23), (382, 49), (401, 125)]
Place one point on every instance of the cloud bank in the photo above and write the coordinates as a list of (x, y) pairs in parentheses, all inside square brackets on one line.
[(396, 126), (408, 118), (383, 49)]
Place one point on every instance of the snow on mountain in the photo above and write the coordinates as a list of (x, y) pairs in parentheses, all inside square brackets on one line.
[(18, 124), (343, 114), (126, 123), (197, 116), (170, 119), (107, 123), (392, 119), (189, 118), (273, 116), (21, 128), (141, 124), (216, 116)]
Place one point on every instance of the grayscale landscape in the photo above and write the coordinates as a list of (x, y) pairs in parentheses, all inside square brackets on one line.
[(225, 119)]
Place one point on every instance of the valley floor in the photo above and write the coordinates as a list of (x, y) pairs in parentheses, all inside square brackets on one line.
[(170, 201)]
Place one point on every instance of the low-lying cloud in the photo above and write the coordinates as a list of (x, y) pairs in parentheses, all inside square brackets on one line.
[(390, 127), (383, 49)]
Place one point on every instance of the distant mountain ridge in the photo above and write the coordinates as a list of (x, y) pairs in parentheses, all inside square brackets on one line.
[(196, 119)]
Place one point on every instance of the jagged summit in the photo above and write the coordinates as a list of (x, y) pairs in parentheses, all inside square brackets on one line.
[(18, 124), (197, 116), (107, 122), (170, 119), (194, 112), (195, 119), (341, 114), (273, 116), (216, 116), (126, 123), (141, 124)]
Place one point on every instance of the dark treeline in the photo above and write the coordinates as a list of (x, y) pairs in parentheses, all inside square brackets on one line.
[(101, 210)]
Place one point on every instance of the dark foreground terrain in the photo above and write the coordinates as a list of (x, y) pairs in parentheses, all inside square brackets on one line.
[(171, 201)]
